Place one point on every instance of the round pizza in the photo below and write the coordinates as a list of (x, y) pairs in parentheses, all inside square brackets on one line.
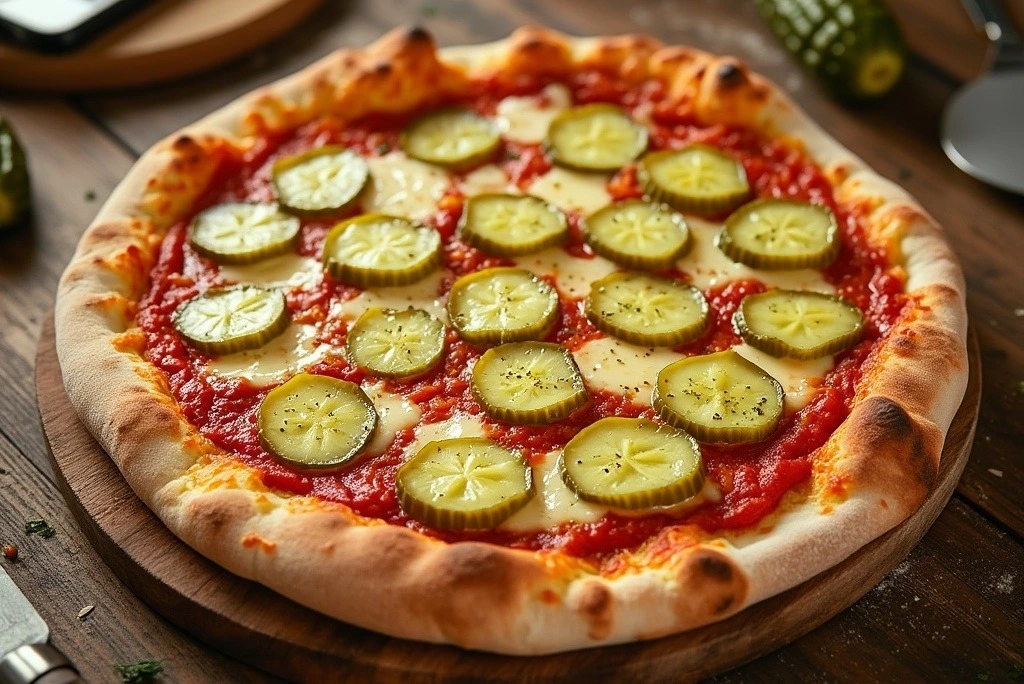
[(526, 347)]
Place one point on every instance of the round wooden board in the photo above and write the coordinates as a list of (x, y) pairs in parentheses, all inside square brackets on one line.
[(169, 39), (254, 624)]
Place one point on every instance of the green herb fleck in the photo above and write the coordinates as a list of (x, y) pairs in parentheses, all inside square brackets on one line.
[(90, 195), (982, 677), (1016, 672), (1020, 388), (40, 527), (428, 11), (140, 672), (383, 148)]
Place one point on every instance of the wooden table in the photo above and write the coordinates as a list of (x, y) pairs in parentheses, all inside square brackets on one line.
[(954, 610)]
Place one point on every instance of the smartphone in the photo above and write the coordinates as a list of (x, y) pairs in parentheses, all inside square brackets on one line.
[(60, 25)]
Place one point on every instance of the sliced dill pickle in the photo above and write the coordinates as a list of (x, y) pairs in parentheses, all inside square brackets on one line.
[(504, 304), (512, 225), (469, 483), (376, 250), (320, 181), (720, 397), (243, 233), (226, 320), (648, 310), (595, 137), (798, 325), (316, 422), (777, 235), (638, 234), (454, 138), (632, 463), (698, 179), (396, 344), (528, 383)]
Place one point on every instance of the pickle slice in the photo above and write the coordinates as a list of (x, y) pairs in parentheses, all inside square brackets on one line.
[(503, 304), (638, 234), (316, 422), (225, 320), (512, 225), (377, 250), (775, 235), (798, 325), (242, 233), (595, 137), (320, 181), (528, 383), (719, 397), (647, 310), (454, 138), (632, 463), (469, 483), (396, 344), (698, 178)]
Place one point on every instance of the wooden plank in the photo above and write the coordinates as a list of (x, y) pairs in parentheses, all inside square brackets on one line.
[(952, 611), (62, 575), (71, 161)]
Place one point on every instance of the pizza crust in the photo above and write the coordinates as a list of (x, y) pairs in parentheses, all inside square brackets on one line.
[(396, 581)]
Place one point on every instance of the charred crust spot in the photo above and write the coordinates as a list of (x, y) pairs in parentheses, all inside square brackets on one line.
[(531, 44), (715, 568), (382, 68), (730, 75), (699, 72), (184, 142), (418, 33), (595, 604), (903, 345), (725, 603), (888, 418)]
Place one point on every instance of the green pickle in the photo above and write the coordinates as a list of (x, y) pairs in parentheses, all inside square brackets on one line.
[(528, 383), (316, 422), (470, 483), (720, 398), (632, 463)]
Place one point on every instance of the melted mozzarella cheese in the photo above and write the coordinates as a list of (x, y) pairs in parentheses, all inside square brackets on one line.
[(451, 428), (573, 275), (554, 503), (526, 119), (404, 187), (287, 270), (423, 294), (708, 266), (394, 413), (488, 178), (292, 350), (567, 189), (613, 365), (798, 378)]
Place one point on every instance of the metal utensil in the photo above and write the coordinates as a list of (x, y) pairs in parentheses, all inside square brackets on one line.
[(983, 127), (25, 657)]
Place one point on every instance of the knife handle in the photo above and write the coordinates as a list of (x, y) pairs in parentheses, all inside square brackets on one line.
[(37, 664)]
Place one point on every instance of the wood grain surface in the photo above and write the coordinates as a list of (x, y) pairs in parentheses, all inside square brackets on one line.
[(166, 40), (264, 629), (952, 611)]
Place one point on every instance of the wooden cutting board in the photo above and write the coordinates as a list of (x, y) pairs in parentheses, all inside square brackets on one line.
[(166, 40), (252, 623)]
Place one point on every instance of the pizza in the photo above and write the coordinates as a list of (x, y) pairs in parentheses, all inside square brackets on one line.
[(526, 347)]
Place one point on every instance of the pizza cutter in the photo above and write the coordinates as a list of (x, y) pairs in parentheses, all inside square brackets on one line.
[(983, 127)]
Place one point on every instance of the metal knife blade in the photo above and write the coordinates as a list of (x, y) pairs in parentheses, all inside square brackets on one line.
[(20, 624)]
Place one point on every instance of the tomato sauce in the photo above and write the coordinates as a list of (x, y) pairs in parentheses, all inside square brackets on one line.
[(752, 478)]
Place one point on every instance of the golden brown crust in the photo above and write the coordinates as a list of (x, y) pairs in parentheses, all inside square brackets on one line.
[(393, 580)]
